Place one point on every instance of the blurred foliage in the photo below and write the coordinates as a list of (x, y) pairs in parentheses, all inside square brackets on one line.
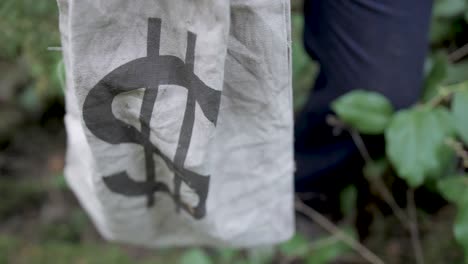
[(321, 251), (415, 141), (421, 143), (449, 20), (369, 112), (28, 28), (449, 32), (29, 71), (21, 196), (460, 112), (15, 251), (304, 69)]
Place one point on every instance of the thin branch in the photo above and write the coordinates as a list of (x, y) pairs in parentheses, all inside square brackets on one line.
[(335, 231), (459, 150), (438, 100), (444, 94), (390, 201), (339, 126), (459, 53), (377, 183), (54, 48), (414, 230), (408, 220), (360, 145), (310, 195), (333, 239)]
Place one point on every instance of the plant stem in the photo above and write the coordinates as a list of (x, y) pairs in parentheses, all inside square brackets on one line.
[(458, 54), (338, 125), (376, 183), (360, 145), (390, 201), (459, 150), (414, 230), (443, 95), (323, 222)]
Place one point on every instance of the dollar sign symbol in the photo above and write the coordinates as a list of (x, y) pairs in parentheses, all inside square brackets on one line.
[(150, 72)]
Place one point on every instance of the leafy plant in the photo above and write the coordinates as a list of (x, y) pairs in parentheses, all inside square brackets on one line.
[(321, 251), (415, 143), (195, 256), (421, 145), (368, 112)]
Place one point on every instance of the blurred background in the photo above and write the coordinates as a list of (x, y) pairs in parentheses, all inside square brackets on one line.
[(41, 221)]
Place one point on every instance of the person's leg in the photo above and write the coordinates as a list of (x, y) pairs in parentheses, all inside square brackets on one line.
[(377, 45)]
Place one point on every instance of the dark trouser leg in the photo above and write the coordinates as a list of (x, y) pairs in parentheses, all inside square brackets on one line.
[(377, 45)]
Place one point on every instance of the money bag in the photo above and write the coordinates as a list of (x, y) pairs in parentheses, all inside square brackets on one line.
[(179, 119)]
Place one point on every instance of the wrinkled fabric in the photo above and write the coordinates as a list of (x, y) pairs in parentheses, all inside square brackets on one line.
[(179, 119)]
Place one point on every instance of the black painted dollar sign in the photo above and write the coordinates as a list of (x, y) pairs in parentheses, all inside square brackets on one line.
[(150, 72)]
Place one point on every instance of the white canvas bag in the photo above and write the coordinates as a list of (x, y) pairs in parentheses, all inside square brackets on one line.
[(179, 119)]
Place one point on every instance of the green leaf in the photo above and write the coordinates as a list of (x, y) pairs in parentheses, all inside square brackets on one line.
[(226, 255), (298, 246), (457, 72), (460, 112), (348, 198), (326, 250), (415, 143), (441, 30), (261, 255), (453, 188), (436, 66), (460, 228), (60, 75), (59, 182), (29, 100), (368, 112), (449, 8), (195, 256)]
